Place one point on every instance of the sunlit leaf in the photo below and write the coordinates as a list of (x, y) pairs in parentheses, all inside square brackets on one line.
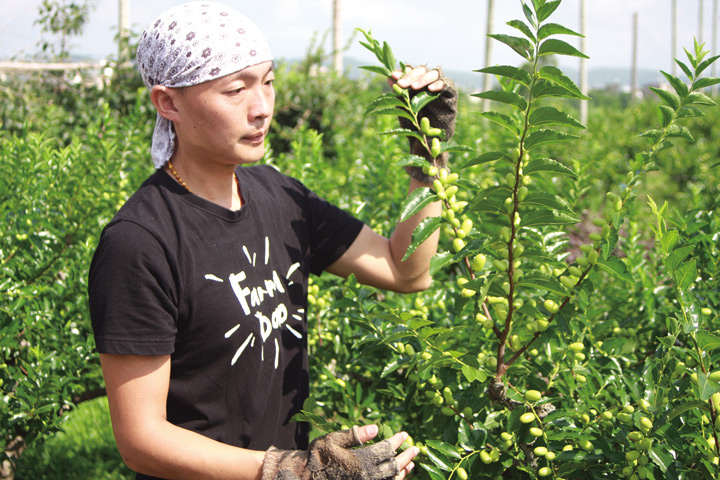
[(416, 201), (550, 29), (559, 47), (617, 268), (522, 46), (508, 71), (509, 98), (553, 116), (548, 165), (423, 231), (543, 136)]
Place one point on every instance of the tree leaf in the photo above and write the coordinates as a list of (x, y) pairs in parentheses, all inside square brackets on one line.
[(541, 218), (444, 448), (680, 88), (416, 201), (439, 461), (529, 15), (385, 72), (708, 341), (494, 195), (387, 100), (411, 161), (509, 98), (617, 268), (556, 76), (661, 457), (670, 99), (389, 58), (677, 256), (439, 261), (540, 281), (705, 82), (508, 71), (522, 27), (423, 231), (691, 311), (548, 165), (686, 274), (679, 131), (433, 471), (698, 98), (484, 158), (404, 132), (546, 10), (544, 135), (419, 101), (547, 201), (686, 407), (553, 116), (522, 46), (472, 374), (701, 68), (665, 115), (502, 120), (668, 243), (686, 70), (706, 387), (550, 29), (559, 47)]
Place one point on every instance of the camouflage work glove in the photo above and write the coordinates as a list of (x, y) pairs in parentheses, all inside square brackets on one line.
[(330, 457), (441, 112)]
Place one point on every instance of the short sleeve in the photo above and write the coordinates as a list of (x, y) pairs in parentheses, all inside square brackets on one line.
[(332, 232), (132, 294)]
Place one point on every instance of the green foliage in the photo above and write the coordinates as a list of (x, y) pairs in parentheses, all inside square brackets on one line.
[(604, 305), (54, 201), (84, 450), (560, 340)]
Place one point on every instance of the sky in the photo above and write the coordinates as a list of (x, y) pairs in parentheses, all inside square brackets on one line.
[(450, 33)]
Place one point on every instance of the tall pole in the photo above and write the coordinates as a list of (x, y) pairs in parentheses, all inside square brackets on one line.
[(337, 35), (583, 62), (701, 14), (488, 50), (673, 38), (123, 31), (634, 81), (713, 47)]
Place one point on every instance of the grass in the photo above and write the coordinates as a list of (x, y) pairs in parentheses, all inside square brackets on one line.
[(83, 450)]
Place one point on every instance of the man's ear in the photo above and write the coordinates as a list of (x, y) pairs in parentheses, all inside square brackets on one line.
[(164, 100)]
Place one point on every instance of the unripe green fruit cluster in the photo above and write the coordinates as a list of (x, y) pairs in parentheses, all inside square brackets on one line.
[(488, 457), (429, 130)]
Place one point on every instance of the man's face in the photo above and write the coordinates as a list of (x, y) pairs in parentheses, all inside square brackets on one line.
[(226, 120)]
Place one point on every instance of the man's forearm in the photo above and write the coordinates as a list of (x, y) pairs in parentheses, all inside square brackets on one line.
[(168, 451), (416, 268)]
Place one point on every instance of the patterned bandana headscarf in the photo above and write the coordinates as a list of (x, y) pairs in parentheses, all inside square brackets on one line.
[(191, 44)]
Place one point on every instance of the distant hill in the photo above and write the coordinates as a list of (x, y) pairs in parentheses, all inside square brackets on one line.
[(598, 78)]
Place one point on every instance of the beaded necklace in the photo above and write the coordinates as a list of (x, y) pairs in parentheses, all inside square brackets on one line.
[(182, 182)]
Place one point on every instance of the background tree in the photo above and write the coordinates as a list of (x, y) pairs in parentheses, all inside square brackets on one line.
[(62, 19)]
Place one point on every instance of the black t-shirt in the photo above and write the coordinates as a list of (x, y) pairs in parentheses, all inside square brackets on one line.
[(224, 293)]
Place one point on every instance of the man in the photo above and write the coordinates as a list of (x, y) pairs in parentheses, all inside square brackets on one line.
[(198, 286)]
